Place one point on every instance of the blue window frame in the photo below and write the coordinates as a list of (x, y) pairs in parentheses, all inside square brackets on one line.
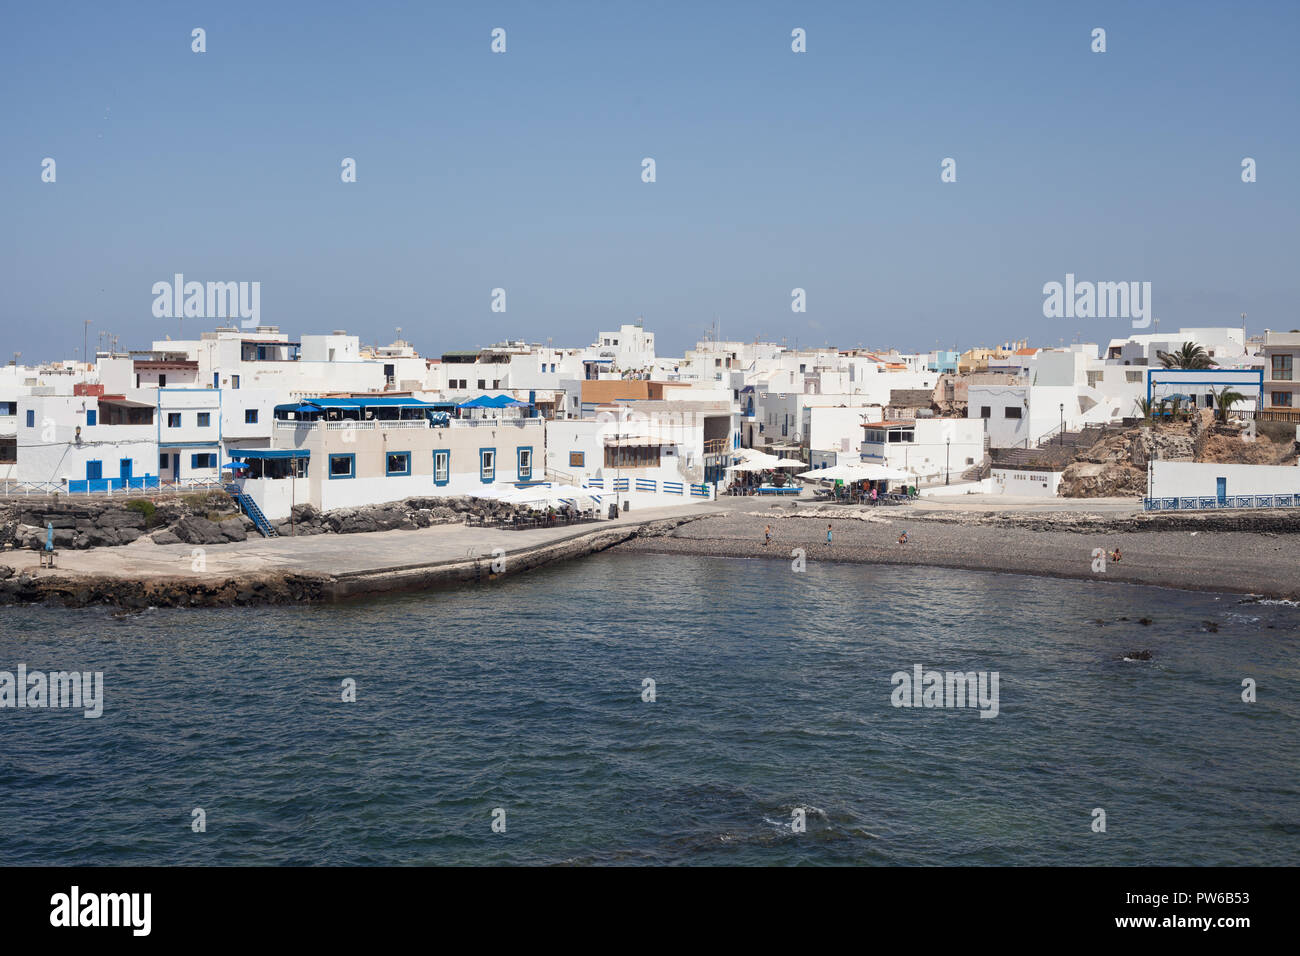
[(442, 466), (31, 418), (163, 461), (250, 416), (205, 419), (487, 465), (203, 460), (173, 419), (524, 455), (94, 470), (343, 466), (397, 463), (92, 416)]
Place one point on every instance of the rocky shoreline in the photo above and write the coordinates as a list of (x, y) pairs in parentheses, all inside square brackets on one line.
[(212, 517)]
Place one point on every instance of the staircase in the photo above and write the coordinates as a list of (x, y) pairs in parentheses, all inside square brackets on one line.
[(250, 508)]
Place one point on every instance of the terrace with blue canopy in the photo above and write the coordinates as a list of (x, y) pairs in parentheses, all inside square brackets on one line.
[(370, 408)]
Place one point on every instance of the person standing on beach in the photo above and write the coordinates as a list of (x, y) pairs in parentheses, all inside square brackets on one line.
[(828, 536), (767, 535)]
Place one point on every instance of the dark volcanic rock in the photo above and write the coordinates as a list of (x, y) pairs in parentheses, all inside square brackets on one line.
[(196, 530)]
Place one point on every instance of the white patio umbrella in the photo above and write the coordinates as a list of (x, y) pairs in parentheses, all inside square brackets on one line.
[(870, 472), (541, 497), (848, 471), (760, 459)]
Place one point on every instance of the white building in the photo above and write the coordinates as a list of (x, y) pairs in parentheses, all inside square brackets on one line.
[(929, 448), (347, 452)]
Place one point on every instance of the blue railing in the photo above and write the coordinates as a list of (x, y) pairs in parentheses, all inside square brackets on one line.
[(646, 484), (700, 491), (673, 488), (1214, 503), (95, 485), (251, 509)]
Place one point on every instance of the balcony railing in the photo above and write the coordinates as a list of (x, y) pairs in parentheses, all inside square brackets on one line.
[(1214, 503), (1278, 415)]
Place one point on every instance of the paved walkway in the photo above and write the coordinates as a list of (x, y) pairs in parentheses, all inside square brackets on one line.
[(329, 553)]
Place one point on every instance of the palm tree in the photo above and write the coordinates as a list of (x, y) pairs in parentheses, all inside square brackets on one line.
[(1147, 407), (1225, 400), (1189, 355)]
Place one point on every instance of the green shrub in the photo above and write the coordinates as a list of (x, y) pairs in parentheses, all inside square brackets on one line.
[(142, 505)]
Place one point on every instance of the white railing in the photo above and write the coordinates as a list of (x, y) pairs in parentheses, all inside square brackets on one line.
[(497, 422), (370, 424), (9, 488)]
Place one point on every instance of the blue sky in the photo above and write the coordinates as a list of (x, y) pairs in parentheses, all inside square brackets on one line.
[(775, 170)]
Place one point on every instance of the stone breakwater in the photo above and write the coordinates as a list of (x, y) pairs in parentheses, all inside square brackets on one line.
[(290, 587), (207, 518)]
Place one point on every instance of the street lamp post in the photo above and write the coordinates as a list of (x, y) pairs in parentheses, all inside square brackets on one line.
[(947, 462), (1062, 429)]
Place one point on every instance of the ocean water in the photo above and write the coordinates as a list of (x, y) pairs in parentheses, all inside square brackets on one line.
[(773, 694)]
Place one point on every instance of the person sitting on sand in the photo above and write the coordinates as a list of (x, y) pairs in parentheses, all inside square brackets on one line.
[(1115, 556), (767, 535), (902, 538), (828, 536)]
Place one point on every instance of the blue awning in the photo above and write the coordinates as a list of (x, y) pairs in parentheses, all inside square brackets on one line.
[(270, 454)]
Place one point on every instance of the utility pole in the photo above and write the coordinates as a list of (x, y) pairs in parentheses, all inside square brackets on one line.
[(85, 355)]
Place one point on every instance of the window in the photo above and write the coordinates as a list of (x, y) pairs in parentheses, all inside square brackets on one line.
[(1282, 368), (441, 467), (986, 412), (577, 459), (162, 381), (1281, 399), (203, 460), (397, 463), (343, 466), (173, 419), (31, 418), (92, 416), (1011, 411), (482, 383), (1094, 378), (162, 462), (94, 470), (205, 419), (250, 416), (234, 381), (525, 463), (1132, 377), (487, 464)]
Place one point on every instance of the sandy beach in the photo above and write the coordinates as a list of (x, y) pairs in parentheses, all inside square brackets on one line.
[(1179, 551)]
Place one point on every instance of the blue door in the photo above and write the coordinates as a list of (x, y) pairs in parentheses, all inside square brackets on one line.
[(1221, 486), (124, 471)]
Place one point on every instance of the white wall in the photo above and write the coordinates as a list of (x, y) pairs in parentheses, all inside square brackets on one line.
[(1025, 484), (1180, 479)]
